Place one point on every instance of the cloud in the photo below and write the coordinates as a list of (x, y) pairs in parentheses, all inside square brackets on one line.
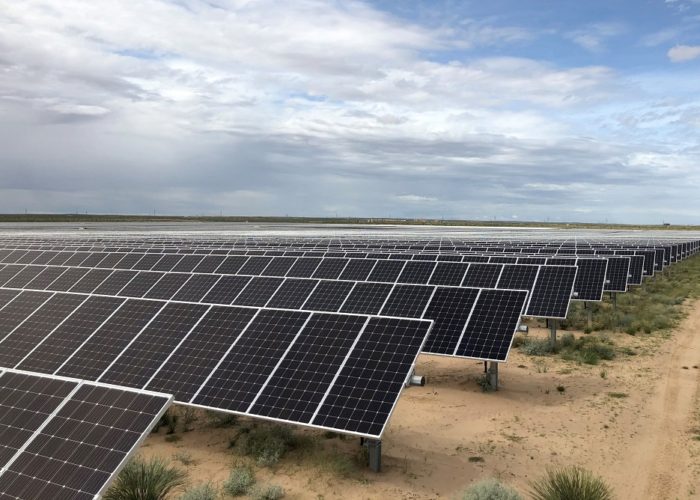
[(313, 108), (593, 36), (683, 53)]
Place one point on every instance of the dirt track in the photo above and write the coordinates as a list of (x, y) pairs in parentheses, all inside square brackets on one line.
[(631, 420)]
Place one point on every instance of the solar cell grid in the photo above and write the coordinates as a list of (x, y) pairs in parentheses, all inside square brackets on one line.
[(449, 273), (417, 272), (196, 287), (258, 291), (142, 358), (167, 262), (23, 277), (590, 279), (140, 284), (50, 353), (192, 362), (551, 295), (304, 267), (482, 275), (243, 371), (296, 387), (330, 269), (492, 325), (450, 309), (43, 320), (328, 295), (386, 271), (255, 265), (25, 403), (83, 444), (226, 289), (96, 353), (7, 272), (279, 266), (367, 298), (129, 260), (358, 269), (45, 278), (360, 399), (293, 293), (115, 282), (90, 281)]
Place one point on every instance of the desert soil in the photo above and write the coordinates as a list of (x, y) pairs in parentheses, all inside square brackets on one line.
[(634, 420)]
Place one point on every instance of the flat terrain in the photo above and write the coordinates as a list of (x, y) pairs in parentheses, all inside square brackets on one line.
[(634, 420)]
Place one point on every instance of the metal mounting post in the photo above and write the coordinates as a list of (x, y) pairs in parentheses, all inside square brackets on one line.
[(589, 315), (493, 376), (552, 332), (374, 454)]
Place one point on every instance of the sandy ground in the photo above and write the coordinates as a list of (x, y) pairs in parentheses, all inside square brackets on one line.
[(645, 442)]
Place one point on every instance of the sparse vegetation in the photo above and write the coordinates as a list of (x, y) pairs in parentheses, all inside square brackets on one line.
[(654, 306), (586, 349), (221, 419), (617, 395), (570, 483), (185, 458), (267, 492), (240, 481), (152, 479), (490, 489), (204, 491), (267, 444)]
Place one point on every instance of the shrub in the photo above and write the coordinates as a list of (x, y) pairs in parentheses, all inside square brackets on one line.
[(143, 479), (490, 489), (570, 483), (568, 340), (268, 444), (239, 481), (536, 347), (268, 492), (204, 491), (221, 419)]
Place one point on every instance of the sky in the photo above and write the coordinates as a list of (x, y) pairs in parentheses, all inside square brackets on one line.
[(556, 110)]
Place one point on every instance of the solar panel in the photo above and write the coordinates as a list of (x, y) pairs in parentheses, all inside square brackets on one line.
[(193, 360), (258, 292), (40, 323), (50, 353), (328, 295), (101, 348), (617, 274), (367, 298), (358, 269), (140, 360), (416, 272), (551, 295), (242, 372), (449, 273), (301, 380), (590, 279), (408, 301), (330, 269), (518, 277), (386, 271), (492, 325), (68, 438), (91, 280), (450, 309), (364, 394), (482, 275), (293, 293)]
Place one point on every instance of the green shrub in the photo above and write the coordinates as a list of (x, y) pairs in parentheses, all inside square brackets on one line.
[(239, 481), (221, 419), (268, 444), (268, 492), (490, 489), (570, 483), (204, 491), (568, 340), (143, 479), (590, 357), (536, 347)]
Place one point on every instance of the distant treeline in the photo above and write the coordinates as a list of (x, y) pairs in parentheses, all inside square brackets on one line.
[(78, 218)]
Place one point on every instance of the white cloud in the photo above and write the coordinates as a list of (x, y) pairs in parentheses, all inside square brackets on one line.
[(594, 36), (683, 53)]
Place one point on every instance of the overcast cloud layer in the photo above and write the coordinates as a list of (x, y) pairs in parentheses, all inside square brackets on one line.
[(482, 110)]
